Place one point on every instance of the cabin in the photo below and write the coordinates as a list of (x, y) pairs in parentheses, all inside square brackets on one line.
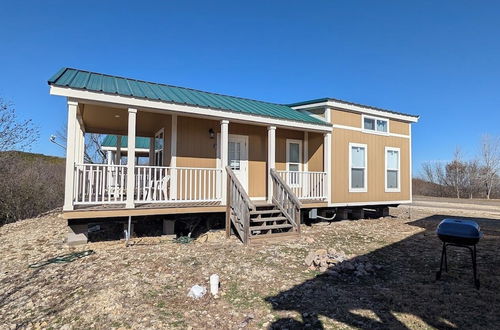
[(264, 165)]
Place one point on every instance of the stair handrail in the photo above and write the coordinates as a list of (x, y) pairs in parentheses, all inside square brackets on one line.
[(240, 203), (285, 199)]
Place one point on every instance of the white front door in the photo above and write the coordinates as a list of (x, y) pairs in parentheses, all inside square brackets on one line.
[(238, 158)]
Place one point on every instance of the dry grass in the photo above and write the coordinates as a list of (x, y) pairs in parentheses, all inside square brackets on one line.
[(262, 286)]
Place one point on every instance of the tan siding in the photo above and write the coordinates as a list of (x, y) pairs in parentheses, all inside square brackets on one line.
[(345, 118), (315, 152), (399, 127), (194, 146), (376, 167)]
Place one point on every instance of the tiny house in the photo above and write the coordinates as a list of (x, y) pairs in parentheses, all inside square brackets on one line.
[(260, 163)]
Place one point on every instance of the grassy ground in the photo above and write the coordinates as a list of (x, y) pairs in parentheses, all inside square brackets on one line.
[(262, 286)]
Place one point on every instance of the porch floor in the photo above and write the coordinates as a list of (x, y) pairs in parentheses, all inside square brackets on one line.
[(119, 210)]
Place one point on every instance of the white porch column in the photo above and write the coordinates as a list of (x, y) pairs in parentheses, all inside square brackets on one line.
[(118, 152), (132, 113), (71, 144), (306, 151), (271, 159), (327, 158), (109, 156), (224, 141), (173, 158), (81, 152)]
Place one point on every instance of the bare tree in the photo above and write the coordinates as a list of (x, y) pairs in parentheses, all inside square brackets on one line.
[(490, 161), (15, 134), (456, 172), (472, 178), (93, 142)]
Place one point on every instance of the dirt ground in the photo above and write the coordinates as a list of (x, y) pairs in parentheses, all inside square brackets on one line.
[(268, 285)]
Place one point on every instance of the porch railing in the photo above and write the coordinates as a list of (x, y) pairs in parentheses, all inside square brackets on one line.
[(305, 185), (181, 184), (239, 206), (106, 184), (286, 200), (100, 184)]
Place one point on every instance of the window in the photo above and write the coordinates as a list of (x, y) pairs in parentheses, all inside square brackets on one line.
[(159, 146), (293, 160), (392, 177), (234, 155), (357, 167), (375, 124)]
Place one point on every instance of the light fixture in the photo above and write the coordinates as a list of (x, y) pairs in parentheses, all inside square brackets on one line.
[(117, 116), (211, 133)]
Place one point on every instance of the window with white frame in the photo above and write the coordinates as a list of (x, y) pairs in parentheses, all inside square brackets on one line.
[(375, 124), (159, 147), (358, 162), (392, 169), (293, 160)]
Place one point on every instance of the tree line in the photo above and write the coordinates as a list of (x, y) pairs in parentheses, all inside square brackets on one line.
[(474, 178)]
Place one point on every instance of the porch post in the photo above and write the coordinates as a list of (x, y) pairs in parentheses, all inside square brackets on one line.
[(81, 152), (224, 141), (70, 156), (327, 158), (132, 113), (271, 159), (173, 158), (109, 157), (306, 151), (118, 152)]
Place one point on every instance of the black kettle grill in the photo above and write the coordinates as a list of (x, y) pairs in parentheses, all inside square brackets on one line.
[(460, 233)]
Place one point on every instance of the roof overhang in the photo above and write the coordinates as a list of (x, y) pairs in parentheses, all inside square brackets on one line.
[(357, 108), (195, 111)]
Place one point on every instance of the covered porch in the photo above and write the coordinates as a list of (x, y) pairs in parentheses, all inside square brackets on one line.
[(186, 161)]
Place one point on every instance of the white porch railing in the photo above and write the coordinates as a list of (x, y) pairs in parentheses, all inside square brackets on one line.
[(306, 185), (106, 184), (181, 184), (100, 184)]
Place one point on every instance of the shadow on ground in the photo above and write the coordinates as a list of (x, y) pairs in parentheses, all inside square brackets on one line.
[(404, 293)]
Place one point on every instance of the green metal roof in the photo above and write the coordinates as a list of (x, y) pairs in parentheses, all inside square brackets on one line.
[(85, 80), (326, 99), (140, 142)]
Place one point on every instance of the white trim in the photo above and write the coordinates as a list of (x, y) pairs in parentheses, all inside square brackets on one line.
[(132, 123), (398, 189), (370, 203), (411, 165), (70, 157), (375, 119), (271, 159), (162, 132), (257, 198), (188, 109), (306, 152), (173, 154), (360, 109), (357, 129), (224, 141), (141, 150), (365, 188)]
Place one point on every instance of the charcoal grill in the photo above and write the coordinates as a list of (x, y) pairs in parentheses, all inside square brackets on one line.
[(459, 233)]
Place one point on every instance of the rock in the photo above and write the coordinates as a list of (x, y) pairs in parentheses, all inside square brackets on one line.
[(310, 258), (321, 252)]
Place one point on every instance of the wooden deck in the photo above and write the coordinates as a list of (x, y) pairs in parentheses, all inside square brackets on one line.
[(105, 211), (119, 210)]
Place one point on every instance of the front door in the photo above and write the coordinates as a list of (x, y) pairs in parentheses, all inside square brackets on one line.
[(238, 157)]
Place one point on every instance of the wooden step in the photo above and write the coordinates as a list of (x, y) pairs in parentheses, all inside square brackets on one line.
[(280, 218), (269, 227), (273, 237), (265, 212)]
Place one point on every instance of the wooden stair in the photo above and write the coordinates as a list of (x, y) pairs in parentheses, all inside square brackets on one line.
[(268, 221)]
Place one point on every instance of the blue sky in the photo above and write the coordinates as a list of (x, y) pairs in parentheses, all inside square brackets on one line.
[(438, 59)]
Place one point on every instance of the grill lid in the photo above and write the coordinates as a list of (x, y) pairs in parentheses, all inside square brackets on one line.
[(459, 228)]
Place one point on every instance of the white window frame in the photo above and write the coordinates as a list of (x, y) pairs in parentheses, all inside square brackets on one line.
[(365, 188), (300, 163), (374, 131), (160, 131), (398, 189)]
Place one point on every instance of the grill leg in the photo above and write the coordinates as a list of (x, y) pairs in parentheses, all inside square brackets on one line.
[(443, 259), (474, 267)]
